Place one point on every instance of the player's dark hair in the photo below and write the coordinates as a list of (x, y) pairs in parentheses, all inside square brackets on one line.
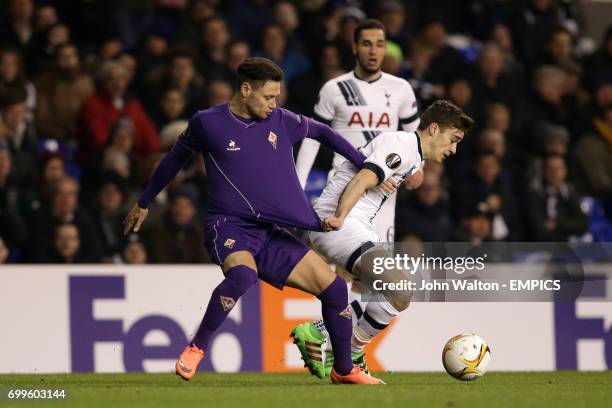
[(368, 24), (447, 115), (257, 71)]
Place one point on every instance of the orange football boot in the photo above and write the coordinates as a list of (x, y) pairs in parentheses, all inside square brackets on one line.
[(356, 376), (188, 362)]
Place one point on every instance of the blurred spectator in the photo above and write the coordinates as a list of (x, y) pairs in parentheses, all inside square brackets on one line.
[(12, 225), (101, 110), (531, 26), (425, 213), (593, 152), (110, 49), (599, 64), (219, 91), (117, 162), (172, 106), (559, 48), (545, 104), (416, 71), (44, 45), (61, 92), (19, 134), (274, 47), (133, 251), (18, 28), (552, 207), (288, 19), (180, 75), (392, 14), (66, 245), (490, 84), (131, 65), (474, 224), (304, 91), (198, 12), (13, 76), (247, 18), (237, 51), (109, 210), (52, 169), (153, 53), (459, 92), (446, 61), (575, 98), (344, 34), (177, 236), (501, 36), (64, 208), (497, 116), (46, 16), (214, 37), (490, 188)]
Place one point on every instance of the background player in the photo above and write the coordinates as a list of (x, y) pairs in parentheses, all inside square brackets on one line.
[(248, 150), (360, 105), (349, 204)]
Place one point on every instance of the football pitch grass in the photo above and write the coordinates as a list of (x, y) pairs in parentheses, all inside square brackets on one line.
[(550, 389)]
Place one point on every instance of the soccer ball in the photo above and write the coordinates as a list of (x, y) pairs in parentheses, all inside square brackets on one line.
[(466, 357)]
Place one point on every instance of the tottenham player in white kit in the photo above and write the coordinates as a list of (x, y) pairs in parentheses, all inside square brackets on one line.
[(348, 206), (360, 105)]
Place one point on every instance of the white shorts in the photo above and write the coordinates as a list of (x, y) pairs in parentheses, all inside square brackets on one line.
[(344, 247), (384, 221)]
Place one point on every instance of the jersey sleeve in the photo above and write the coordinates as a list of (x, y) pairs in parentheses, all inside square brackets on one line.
[(193, 137), (324, 109), (409, 111), (295, 125), (393, 152)]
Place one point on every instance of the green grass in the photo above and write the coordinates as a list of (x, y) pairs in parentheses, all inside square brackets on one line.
[(556, 389)]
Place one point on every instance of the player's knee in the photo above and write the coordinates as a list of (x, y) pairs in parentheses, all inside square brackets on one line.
[(241, 277), (239, 258)]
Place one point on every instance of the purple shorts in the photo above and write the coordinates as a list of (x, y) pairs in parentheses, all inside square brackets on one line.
[(276, 250)]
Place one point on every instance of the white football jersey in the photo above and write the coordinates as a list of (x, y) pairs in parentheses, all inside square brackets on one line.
[(395, 155), (360, 110)]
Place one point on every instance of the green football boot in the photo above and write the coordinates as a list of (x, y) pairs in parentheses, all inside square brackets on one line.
[(358, 360), (309, 340)]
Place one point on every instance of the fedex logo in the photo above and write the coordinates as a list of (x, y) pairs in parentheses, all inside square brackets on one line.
[(86, 330), (570, 328), (257, 332)]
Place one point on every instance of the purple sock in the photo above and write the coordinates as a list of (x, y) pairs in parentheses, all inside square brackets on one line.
[(237, 281), (337, 318)]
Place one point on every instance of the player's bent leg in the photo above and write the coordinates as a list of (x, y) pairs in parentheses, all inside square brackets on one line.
[(240, 275), (380, 310), (313, 275), (307, 337)]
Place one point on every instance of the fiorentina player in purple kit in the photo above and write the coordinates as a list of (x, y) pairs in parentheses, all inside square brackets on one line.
[(253, 186)]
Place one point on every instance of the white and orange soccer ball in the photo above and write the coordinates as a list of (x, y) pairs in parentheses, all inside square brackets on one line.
[(466, 357)]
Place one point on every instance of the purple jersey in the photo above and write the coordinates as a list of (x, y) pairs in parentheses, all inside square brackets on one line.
[(249, 164)]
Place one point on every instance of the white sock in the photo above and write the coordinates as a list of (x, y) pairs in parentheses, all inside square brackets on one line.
[(321, 326), (376, 317)]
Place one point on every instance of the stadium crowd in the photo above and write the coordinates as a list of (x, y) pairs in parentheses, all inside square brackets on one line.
[(92, 93)]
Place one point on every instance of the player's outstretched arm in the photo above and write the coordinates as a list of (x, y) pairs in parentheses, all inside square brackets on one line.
[(353, 191), (333, 140), (167, 169)]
